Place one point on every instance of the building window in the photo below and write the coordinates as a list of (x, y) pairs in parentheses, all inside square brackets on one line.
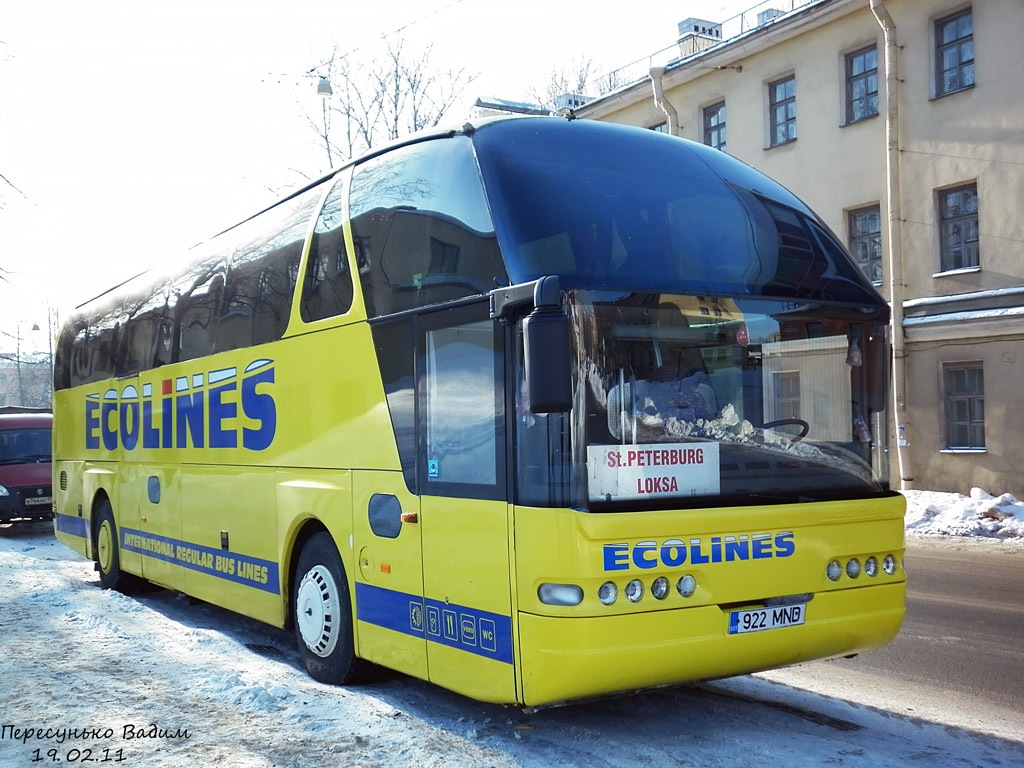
[(958, 223), (954, 53), (862, 85), (964, 390), (866, 241), (714, 126), (660, 128), (782, 111)]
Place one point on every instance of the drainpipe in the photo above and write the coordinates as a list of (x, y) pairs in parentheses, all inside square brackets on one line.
[(663, 103), (893, 234)]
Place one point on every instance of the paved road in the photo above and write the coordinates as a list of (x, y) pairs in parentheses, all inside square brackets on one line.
[(964, 629), (959, 657)]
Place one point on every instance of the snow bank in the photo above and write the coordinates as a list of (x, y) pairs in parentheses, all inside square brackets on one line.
[(952, 514)]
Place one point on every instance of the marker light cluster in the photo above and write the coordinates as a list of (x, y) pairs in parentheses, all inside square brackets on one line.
[(854, 568), (608, 593)]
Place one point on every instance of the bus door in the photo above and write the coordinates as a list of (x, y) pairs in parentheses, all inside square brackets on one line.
[(464, 514), (158, 494), (388, 572)]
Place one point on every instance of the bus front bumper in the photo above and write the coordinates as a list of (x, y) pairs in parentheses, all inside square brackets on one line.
[(573, 658)]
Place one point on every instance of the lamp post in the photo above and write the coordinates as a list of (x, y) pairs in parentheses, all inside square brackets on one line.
[(324, 91)]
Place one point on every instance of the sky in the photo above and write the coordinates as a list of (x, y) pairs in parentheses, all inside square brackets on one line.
[(139, 672), (133, 129)]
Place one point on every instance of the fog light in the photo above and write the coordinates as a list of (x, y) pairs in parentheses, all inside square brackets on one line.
[(686, 585), (853, 568), (608, 593), (659, 588), (871, 567), (834, 570), (889, 565), (560, 594), (634, 590)]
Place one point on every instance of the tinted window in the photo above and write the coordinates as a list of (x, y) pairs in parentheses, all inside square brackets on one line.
[(235, 291), (327, 288), (394, 343), (611, 206), (422, 229), (199, 296), (263, 271)]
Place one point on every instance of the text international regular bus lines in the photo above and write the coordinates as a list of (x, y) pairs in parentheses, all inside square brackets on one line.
[(535, 409)]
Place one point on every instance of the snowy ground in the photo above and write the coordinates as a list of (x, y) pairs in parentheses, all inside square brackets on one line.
[(156, 680)]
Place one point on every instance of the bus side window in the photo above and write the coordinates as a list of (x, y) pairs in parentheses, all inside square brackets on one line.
[(426, 235), (263, 273), (198, 309), (139, 340), (327, 287), (101, 347), (394, 343)]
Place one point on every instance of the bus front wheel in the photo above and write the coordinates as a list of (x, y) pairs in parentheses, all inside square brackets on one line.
[(323, 614), (108, 557)]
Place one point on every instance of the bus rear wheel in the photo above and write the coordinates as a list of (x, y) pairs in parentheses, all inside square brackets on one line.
[(323, 614)]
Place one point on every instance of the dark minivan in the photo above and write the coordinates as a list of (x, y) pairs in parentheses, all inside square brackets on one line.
[(26, 491)]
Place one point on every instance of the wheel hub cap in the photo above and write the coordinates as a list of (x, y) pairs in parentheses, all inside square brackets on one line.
[(317, 611)]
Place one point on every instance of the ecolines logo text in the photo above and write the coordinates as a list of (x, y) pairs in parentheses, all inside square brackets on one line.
[(718, 549), (217, 410)]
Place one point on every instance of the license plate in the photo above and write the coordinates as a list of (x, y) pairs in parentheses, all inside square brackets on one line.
[(34, 501), (761, 619)]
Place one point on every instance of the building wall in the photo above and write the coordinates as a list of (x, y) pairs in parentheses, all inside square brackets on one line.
[(973, 136)]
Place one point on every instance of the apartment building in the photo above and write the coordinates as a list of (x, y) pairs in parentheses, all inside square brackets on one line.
[(901, 122)]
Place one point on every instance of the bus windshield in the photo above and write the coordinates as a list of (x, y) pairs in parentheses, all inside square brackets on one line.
[(685, 400)]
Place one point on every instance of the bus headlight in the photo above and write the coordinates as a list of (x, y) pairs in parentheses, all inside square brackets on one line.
[(834, 570), (686, 585), (634, 590), (608, 593), (889, 565), (560, 594), (4, 491), (853, 568), (659, 588), (871, 566)]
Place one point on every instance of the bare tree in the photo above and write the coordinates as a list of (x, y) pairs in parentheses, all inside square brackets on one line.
[(560, 82), (577, 79), (377, 99), (26, 366)]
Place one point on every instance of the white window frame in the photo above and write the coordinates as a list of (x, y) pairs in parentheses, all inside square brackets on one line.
[(772, 107)]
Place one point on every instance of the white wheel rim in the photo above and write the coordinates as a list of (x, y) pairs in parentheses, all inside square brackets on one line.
[(317, 611), (105, 547)]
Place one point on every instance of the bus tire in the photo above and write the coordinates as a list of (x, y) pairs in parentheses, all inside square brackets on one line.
[(108, 555), (322, 609)]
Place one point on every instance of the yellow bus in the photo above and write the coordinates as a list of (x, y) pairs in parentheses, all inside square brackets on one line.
[(535, 409)]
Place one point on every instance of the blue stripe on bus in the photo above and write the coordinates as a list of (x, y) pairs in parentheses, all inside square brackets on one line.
[(71, 525), (466, 629), (230, 566)]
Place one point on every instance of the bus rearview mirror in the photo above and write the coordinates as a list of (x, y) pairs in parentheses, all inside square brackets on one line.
[(547, 351)]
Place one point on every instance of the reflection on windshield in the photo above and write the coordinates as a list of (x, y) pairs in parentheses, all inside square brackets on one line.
[(698, 396)]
